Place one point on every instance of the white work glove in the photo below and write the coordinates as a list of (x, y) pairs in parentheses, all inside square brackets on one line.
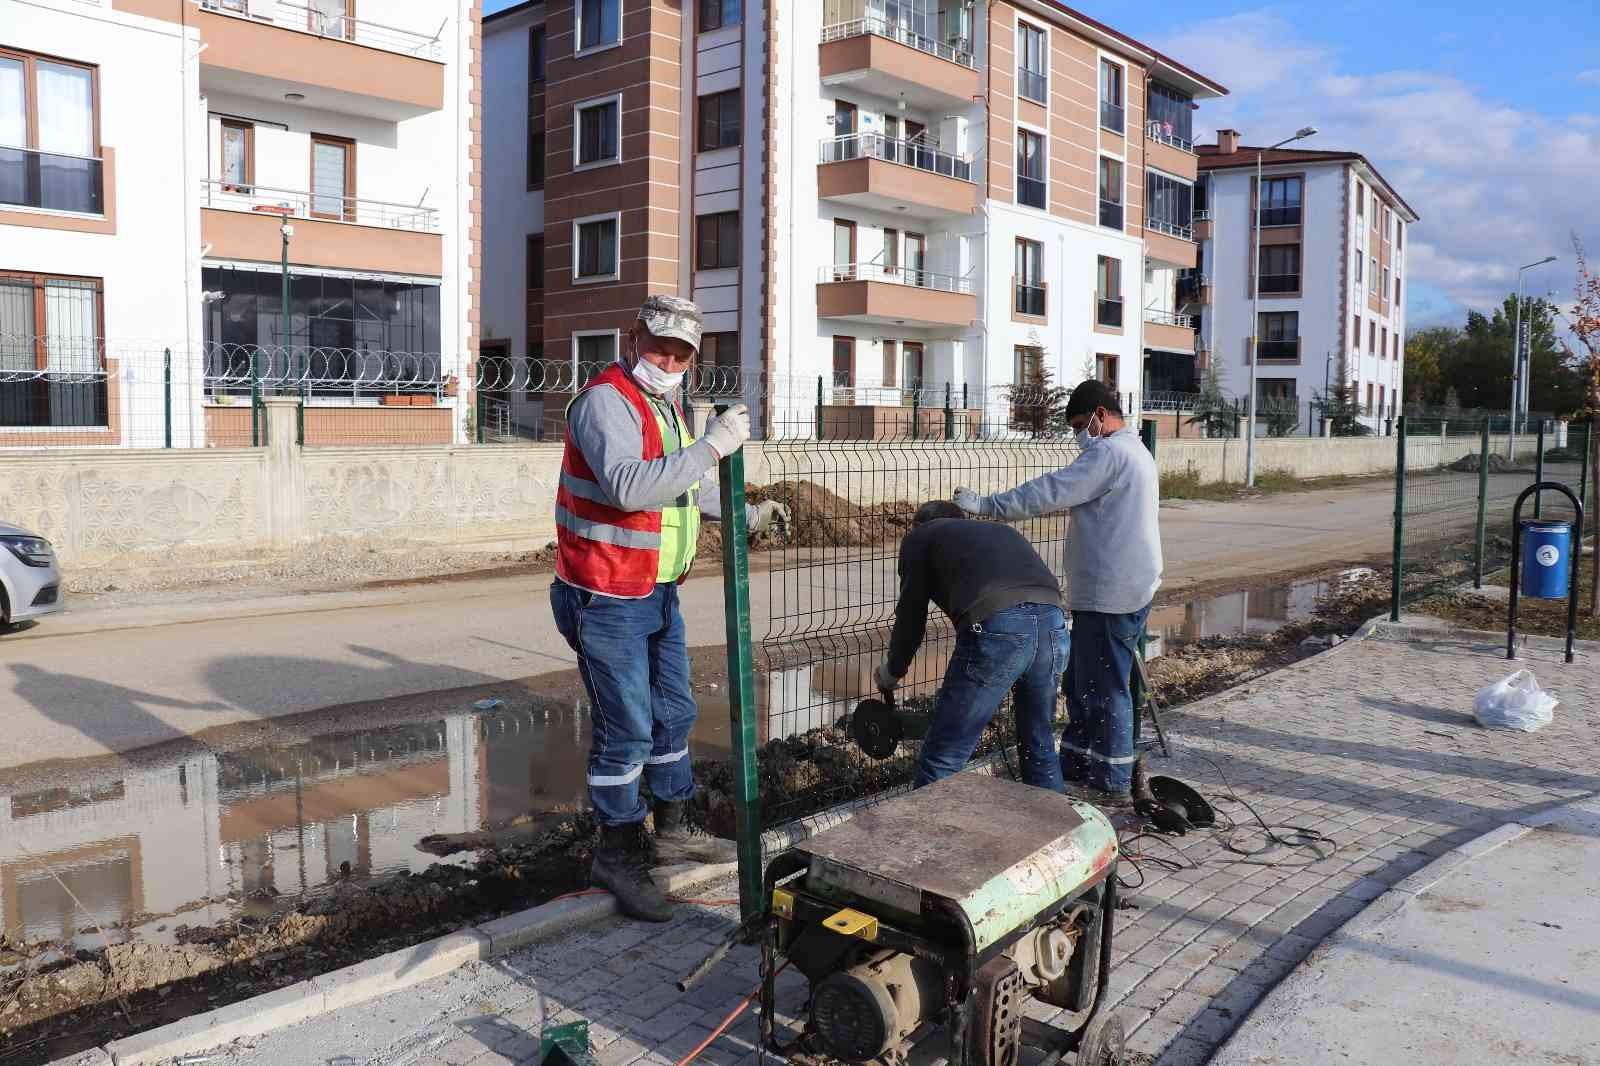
[(881, 677), (727, 431), (969, 501), (759, 517)]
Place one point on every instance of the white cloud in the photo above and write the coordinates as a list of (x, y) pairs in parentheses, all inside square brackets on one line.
[(1496, 185)]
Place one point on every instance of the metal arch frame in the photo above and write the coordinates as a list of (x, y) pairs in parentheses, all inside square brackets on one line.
[(1574, 566)]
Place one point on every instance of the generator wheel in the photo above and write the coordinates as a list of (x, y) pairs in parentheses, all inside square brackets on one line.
[(1104, 1043)]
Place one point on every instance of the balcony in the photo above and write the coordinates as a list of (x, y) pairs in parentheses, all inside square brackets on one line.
[(241, 222), (1166, 150), (1168, 330), (1111, 214), (894, 295), (1108, 311), (1279, 284), (883, 174), (51, 181), (883, 57), (1031, 192), (1028, 300), (262, 50), (1112, 117), (1202, 224), (1194, 288), (1280, 352), (1280, 216), (1170, 243)]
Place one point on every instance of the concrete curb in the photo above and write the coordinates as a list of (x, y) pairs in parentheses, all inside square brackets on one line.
[(376, 977), (1300, 985)]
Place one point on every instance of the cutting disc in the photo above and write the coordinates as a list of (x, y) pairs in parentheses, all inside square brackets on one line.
[(876, 728)]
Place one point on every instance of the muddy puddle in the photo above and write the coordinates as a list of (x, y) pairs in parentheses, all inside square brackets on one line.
[(1251, 612)]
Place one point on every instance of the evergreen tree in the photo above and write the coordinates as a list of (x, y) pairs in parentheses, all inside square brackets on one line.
[(1213, 411), (1343, 406), (1038, 404)]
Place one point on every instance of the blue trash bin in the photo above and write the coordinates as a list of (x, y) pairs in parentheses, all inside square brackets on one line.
[(1546, 555)]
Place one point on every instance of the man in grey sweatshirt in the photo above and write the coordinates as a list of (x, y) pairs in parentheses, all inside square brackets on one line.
[(1113, 571)]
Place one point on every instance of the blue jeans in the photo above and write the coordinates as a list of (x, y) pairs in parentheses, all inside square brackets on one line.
[(1022, 646), (635, 666), (1097, 745)]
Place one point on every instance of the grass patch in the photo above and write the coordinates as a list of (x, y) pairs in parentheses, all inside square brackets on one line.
[(1186, 484), (1544, 617)]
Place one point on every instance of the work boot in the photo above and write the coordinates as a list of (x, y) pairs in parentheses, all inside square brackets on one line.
[(1099, 797), (677, 842), (1141, 781), (622, 864)]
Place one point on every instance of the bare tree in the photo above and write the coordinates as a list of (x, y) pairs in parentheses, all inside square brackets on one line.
[(1586, 327)]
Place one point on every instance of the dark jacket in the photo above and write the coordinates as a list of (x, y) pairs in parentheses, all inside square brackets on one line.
[(971, 569)]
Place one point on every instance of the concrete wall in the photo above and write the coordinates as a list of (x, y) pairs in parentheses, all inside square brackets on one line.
[(1310, 457)]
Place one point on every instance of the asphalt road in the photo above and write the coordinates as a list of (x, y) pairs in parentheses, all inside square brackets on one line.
[(103, 680)]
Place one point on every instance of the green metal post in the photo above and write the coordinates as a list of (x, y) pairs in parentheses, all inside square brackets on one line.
[(255, 398), (819, 406), (1399, 519), (166, 385), (1483, 507), (742, 709), (483, 411), (300, 423), (916, 414), (949, 414), (283, 299), (1538, 469)]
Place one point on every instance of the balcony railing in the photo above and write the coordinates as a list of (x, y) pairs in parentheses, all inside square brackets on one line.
[(1030, 300), (1030, 192), (1168, 318), (1156, 130), (1108, 311), (1202, 214), (1111, 213), (1168, 400), (905, 153), (263, 200), (958, 50), (305, 19), (1192, 286), (1171, 229), (1032, 85), (51, 181), (1280, 216), (1279, 349), (897, 275), (1279, 283), (1112, 116)]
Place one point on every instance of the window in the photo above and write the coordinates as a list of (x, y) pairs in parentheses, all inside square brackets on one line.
[(1369, 397), (717, 241), (1032, 71), (1360, 259), (1171, 117), (599, 126), (536, 154), (333, 177), (53, 324), (1029, 271), (1373, 277), (844, 249), (715, 14), (1105, 369), (1380, 399), (599, 24), (891, 362), (596, 349), (49, 134), (1383, 347), (913, 352), (916, 258), (1202, 194), (1397, 289), (844, 362), (1111, 193), (1372, 337), (1276, 390), (1387, 218), (1108, 292), (535, 257), (1385, 283), (1278, 334), (1171, 205), (1112, 77), (1396, 344), (891, 251), (1280, 268), (1030, 169), (238, 156), (1357, 336), (535, 56), (1026, 364), (719, 120), (1361, 200), (595, 241), (1280, 201), (1399, 234), (720, 350)]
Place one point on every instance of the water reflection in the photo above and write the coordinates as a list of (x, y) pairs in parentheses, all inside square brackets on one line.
[(1256, 612)]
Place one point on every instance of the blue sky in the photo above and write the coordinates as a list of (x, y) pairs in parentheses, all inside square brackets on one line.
[(1486, 118)]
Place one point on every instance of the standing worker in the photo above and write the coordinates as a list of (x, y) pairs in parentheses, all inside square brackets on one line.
[(1006, 607), (628, 514), (1113, 571)]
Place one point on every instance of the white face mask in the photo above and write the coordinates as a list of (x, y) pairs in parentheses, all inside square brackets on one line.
[(1087, 438), (653, 379)]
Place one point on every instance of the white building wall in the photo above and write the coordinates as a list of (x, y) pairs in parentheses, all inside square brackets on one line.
[(511, 211)]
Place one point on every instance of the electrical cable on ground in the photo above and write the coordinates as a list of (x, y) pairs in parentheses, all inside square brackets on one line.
[(729, 1020)]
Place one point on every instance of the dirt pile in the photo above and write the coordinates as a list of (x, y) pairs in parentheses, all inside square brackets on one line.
[(1468, 464)]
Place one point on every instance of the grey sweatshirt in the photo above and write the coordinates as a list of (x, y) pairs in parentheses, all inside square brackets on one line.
[(1114, 544), (606, 429)]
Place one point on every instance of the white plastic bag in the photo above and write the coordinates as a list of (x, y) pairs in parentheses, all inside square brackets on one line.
[(1514, 702)]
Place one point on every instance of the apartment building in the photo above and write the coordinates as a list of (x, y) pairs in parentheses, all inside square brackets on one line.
[(161, 160), (873, 201), (1332, 272)]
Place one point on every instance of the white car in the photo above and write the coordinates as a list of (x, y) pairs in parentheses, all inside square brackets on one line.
[(30, 580)]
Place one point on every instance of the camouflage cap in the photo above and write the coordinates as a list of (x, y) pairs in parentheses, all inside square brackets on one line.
[(672, 316)]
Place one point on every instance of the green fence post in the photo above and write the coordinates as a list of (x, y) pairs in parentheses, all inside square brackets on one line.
[(916, 414), (1538, 469), (255, 399), (819, 406), (482, 407), (300, 424), (742, 709), (1399, 519), (166, 385), (1483, 507), (949, 414)]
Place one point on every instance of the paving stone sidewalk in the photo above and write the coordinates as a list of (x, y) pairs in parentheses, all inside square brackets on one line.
[(1372, 743)]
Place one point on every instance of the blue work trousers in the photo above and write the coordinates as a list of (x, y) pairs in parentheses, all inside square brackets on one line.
[(1097, 745)]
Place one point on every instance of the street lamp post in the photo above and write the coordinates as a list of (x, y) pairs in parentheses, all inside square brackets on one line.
[(1255, 312), (1517, 384)]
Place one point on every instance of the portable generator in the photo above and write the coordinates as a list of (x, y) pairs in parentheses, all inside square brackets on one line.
[(947, 906)]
